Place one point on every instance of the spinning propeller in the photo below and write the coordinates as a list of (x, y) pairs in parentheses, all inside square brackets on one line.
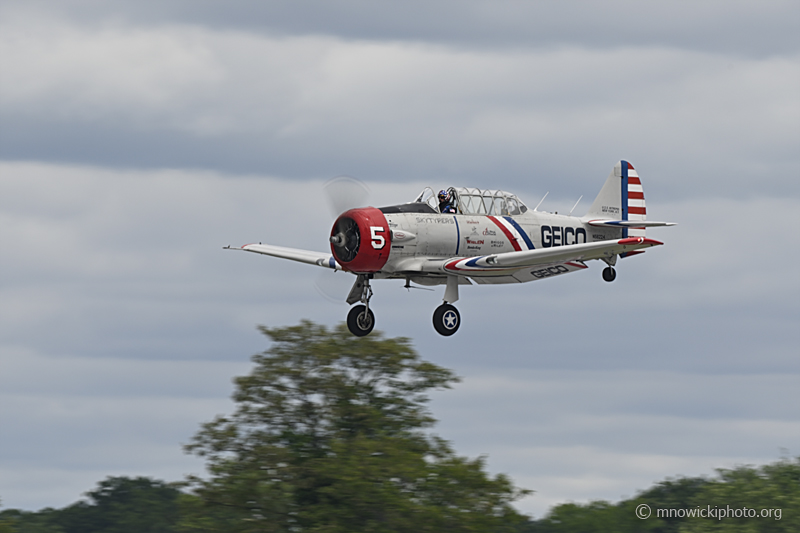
[(342, 193)]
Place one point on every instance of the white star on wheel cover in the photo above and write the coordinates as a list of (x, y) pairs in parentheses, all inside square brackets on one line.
[(450, 319)]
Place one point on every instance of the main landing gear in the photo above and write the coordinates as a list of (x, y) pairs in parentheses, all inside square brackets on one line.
[(446, 320), (361, 319)]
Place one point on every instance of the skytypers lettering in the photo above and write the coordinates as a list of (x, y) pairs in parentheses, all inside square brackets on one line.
[(562, 236)]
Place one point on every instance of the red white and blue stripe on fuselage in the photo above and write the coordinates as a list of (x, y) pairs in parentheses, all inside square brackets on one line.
[(513, 232), (519, 240)]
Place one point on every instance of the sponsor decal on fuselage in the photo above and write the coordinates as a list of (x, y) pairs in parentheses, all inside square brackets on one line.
[(488, 231), (550, 271), (562, 236), (435, 220)]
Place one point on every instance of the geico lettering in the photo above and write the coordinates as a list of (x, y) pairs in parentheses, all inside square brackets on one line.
[(550, 271), (561, 236), (568, 232)]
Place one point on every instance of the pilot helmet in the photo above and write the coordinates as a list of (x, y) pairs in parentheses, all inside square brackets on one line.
[(443, 195)]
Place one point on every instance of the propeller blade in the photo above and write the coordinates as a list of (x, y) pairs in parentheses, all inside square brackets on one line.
[(344, 192)]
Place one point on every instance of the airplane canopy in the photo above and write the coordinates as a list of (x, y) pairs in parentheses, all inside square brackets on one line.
[(470, 201)]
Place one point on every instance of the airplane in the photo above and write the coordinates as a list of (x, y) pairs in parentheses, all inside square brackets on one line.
[(491, 238)]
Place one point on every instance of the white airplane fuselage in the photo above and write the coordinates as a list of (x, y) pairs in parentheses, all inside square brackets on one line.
[(419, 238)]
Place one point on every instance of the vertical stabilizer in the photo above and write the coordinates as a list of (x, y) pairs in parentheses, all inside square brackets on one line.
[(621, 198)]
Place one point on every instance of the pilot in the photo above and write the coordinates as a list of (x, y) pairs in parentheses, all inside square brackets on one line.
[(445, 203)]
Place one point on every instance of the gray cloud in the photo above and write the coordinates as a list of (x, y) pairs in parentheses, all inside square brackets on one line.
[(741, 27), (317, 106)]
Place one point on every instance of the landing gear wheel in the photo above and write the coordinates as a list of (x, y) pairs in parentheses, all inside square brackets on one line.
[(360, 320), (446, 320), (609, 274)]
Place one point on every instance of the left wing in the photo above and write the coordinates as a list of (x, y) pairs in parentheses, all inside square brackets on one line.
[(510, 261), (303, 256)]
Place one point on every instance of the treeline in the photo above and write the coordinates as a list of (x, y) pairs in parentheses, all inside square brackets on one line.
[(741, 500), (144, 505), (118, 505), (331, 434)]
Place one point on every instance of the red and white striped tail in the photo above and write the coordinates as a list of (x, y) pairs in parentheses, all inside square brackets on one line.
[(633, 206)]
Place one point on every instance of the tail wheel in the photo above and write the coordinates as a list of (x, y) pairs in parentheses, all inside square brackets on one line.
[(360, 320), (446, 320), (609, 274)]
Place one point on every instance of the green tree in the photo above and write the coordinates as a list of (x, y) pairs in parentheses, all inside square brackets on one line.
[(594, 517), (123, 505), (330, 435), (7, 520), (118, 505), (31, 522), (769, 487)]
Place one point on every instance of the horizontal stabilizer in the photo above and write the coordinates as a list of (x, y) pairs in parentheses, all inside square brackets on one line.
[(303, 256), (628, 223)]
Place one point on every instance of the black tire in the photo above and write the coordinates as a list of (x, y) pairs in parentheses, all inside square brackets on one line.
[(609, 274), (360, 323), (446, 320)]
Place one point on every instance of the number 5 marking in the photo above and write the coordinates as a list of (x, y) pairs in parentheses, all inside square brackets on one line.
[(378, 242)]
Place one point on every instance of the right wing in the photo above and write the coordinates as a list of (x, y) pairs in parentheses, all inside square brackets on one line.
[(303, 256)]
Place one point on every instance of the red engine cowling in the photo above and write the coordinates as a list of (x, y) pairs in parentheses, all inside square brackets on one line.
[(361, 240)]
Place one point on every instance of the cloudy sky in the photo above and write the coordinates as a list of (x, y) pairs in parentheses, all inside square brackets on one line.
[(137, 139)]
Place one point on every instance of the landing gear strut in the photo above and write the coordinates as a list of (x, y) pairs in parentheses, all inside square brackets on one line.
[(609, 274), (360, 319)]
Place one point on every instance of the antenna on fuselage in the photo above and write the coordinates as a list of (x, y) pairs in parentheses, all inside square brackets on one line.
[(540, 201), (576, 205)]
